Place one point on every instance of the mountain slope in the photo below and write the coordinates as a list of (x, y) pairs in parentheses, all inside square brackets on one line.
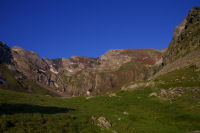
[(83, 75), (135, 111), (184, 49), (186, 37)]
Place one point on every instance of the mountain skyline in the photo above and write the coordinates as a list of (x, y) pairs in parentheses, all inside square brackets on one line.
[(89, 28), (123, 91)]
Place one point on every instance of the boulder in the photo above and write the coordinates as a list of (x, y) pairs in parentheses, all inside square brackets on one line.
[(153, 94), (103, 122)]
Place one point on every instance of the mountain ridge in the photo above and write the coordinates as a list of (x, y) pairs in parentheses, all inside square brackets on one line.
[(28, 62), (78, 75)]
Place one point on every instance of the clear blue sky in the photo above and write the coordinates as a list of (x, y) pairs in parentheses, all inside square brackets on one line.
[(64, 28)]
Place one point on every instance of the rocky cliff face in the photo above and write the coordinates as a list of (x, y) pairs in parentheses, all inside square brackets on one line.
[(83, 75), (184, 49), (186, 38)]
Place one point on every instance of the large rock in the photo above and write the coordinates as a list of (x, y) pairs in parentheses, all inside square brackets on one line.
[(103, 122)]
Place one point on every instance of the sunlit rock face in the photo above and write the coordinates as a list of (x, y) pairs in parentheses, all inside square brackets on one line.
[(184, 49), (186, 37), (84, 75)]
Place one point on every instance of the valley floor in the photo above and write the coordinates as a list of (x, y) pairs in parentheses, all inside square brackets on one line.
[(140, 111)]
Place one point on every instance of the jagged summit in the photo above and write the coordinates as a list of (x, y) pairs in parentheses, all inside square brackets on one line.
[(186, 37), (184, 49)]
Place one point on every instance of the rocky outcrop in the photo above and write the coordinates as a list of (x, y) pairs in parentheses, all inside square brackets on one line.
[(192, 58), (84, 75), (31, 66), (184, 49), (137, 85), (186, 37), (101, 122)]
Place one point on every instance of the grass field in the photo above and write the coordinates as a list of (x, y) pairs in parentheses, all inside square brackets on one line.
[(27, 113)]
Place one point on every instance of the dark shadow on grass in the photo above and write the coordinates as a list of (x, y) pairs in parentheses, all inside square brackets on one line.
[(27, 108)]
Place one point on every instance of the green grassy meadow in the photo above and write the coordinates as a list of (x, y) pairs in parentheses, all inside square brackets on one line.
[(28, 113)]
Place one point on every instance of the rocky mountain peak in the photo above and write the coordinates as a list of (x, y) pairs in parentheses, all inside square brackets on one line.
[(178, 29), (186, 37), (192, 18), (194, 15), (17, 48), (21, 51)]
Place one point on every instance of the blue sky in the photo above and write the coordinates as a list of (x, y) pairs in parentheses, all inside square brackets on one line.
[(65, 28)]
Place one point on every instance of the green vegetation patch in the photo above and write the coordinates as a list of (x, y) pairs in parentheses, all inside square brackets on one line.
[(127, 112), (185, 77)]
